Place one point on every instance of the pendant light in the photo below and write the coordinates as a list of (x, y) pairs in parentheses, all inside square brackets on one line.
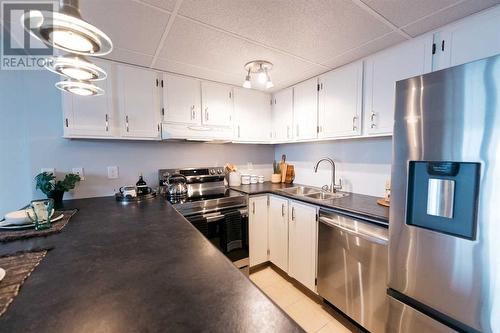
[(261, 68), (77, 68), (66, 30), (82, 88)]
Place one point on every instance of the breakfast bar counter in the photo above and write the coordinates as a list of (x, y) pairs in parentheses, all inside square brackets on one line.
[(135, 268)]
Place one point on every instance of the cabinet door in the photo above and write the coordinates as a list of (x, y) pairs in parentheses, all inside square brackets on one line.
[(181, 100), (473, 38), (282, 115), (383, 69), (257, 229), (139, 103), (217, 100), (340, 101), (302, 244), (91, 116), (278, 232), (305, 110), (252, 115)]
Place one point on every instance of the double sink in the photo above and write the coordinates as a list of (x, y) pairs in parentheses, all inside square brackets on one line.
[(313, 193)]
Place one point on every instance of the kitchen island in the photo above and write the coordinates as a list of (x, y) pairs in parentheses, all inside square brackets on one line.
[(135, 268)]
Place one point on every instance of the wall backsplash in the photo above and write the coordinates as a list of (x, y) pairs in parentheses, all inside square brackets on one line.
[(363, 164)]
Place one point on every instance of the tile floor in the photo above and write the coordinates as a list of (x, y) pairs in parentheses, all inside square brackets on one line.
[(306, 310)]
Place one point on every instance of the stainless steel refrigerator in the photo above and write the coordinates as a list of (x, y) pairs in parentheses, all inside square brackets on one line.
[(444, 230)]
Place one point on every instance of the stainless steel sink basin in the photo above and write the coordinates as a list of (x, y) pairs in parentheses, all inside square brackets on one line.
[(301, 190), (326, 195)]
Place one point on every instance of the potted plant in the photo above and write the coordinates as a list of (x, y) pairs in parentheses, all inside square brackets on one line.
[(276, 177), (54, 189)]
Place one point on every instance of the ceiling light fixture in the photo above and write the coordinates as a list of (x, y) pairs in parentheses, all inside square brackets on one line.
[(77, 68), (247, 83), (261, 68), (66, 30), (82, 88)]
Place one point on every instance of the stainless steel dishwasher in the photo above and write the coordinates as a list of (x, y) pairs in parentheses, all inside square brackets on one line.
[(352, 268)]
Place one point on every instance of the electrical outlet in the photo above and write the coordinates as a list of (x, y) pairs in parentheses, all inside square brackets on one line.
[(113, 172), (79, 172), (49, 170)]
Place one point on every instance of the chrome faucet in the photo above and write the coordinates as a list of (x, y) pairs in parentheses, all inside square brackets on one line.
[(333, 187)]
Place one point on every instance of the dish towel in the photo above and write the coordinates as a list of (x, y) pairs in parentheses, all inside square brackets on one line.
[(231, 232)]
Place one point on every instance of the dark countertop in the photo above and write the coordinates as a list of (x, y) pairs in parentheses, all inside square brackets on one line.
[(363, 206), (136, 268)]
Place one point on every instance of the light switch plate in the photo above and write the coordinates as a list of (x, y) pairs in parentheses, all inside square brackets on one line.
[(79, 172), (113, 172)]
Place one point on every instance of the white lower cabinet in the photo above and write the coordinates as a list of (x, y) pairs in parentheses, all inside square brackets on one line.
[(285, 233), (257, 230), (278, 232), (302, 243)]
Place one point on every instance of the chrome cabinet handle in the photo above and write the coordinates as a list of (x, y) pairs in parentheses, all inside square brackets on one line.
[(282, 209), (253, 208), (298, 130), (288, 132), (293, 213), (354, 127), (126, 123), (238, 131), (107, 123), (372, 119), (206, 113), (193, 115)]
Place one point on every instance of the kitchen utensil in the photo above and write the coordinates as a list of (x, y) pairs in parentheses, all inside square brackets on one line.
[(234, 178), (128, 191), (283, 168), (245, 179), (290, 174), (261, 179), (176, 185), (40, 212), (254, 179), (141, 187)]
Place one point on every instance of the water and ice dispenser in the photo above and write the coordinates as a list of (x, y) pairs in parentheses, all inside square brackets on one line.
[(443, 196)]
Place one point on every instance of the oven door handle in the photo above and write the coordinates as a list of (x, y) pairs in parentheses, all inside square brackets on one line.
[(214, 217)]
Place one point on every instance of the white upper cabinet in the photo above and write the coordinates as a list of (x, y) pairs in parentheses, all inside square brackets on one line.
[(305, 109), (91, 116), (382, 70), (139, 105), (340, 101), (181, 100), (302, 244), (473, 38), (282, 115), (252, 115), (217, 104)]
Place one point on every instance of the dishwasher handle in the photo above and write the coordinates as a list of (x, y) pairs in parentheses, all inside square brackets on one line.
[(368, 237)]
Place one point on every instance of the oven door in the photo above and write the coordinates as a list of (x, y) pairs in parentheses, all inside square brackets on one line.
[(228, 231)]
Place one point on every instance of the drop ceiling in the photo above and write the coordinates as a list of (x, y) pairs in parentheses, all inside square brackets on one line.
[(213, 39)]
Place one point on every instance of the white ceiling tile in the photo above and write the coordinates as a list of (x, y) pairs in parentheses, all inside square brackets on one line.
[(365, 50), (315, 30), (402, 12), (204, 48), (129, 57), (164, 4), (449, 15), (129, 24)]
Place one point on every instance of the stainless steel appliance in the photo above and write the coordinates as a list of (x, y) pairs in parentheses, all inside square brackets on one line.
[(219, 213), (444, 271), (352, 268)]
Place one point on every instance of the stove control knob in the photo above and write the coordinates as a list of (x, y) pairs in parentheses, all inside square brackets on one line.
[(212, 171), (219, 171)]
